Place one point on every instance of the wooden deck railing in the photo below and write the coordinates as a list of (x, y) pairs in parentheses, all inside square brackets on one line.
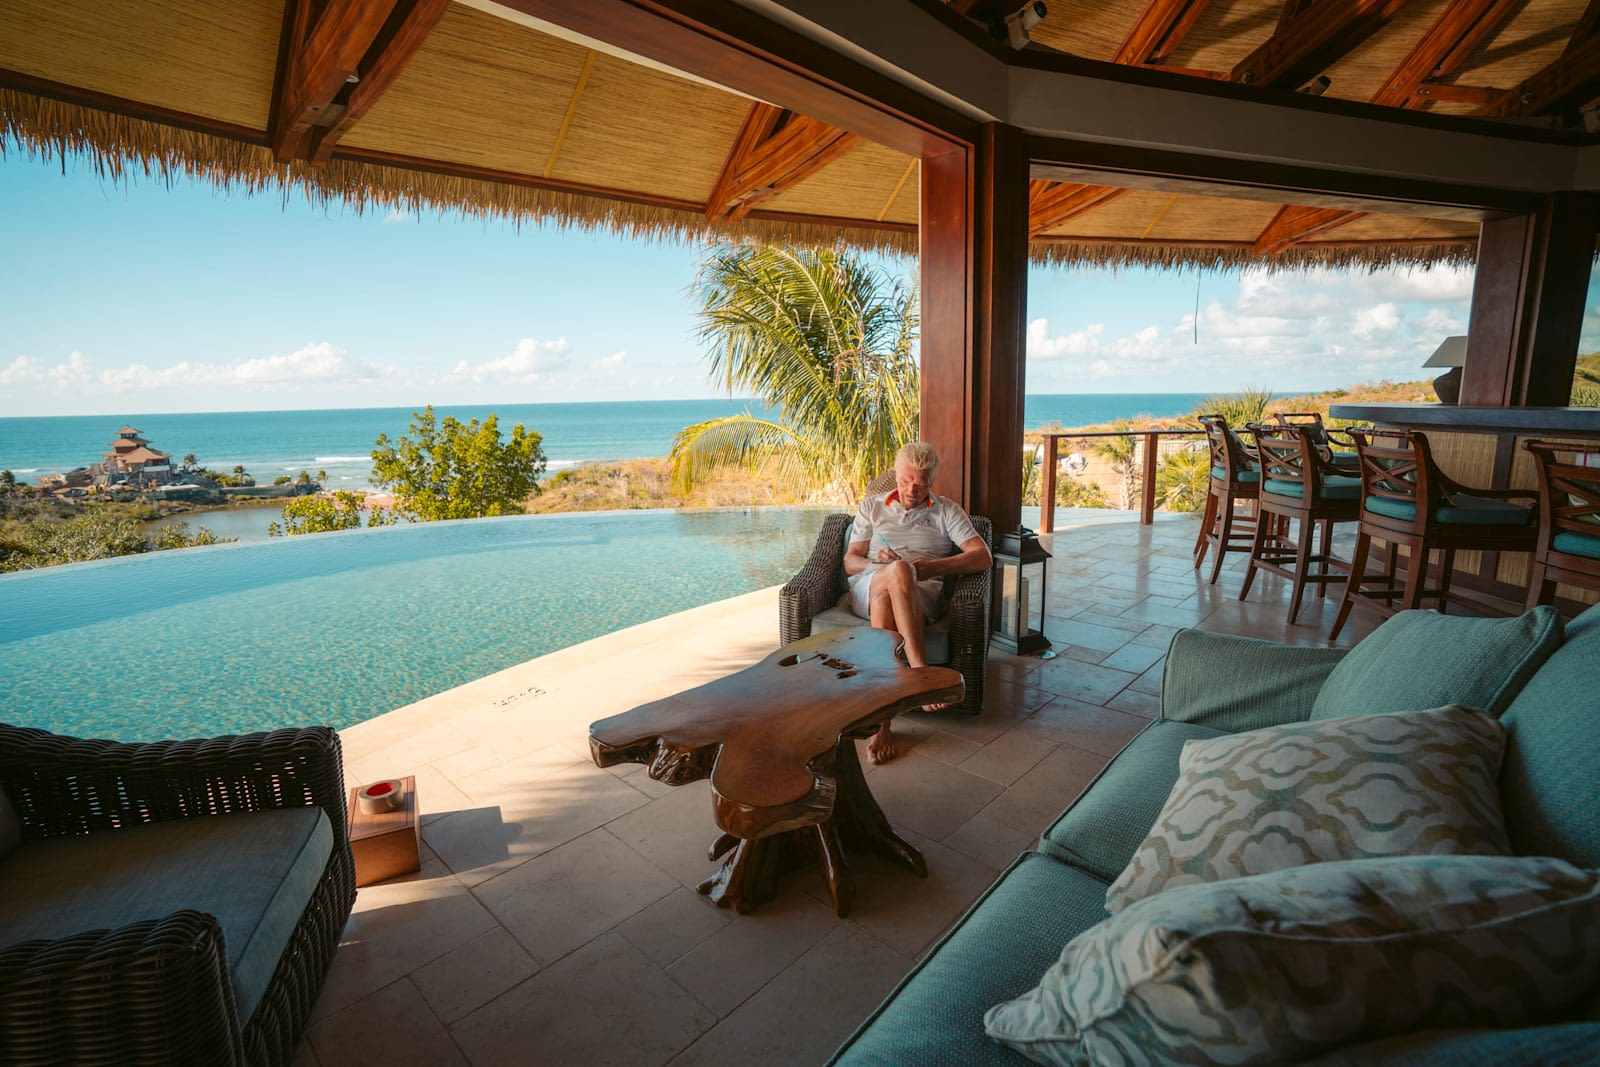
[(1147, 495)]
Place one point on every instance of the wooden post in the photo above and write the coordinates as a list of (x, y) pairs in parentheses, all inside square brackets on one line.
[(1047, 489), (974, 296), (1147, 492)]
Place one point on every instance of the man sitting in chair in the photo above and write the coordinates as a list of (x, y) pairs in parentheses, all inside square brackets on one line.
[(901, 547)]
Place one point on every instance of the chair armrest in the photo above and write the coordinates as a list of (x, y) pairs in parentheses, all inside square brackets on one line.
[(65, 786), (153, 991), (812, 590), (1241, 683)]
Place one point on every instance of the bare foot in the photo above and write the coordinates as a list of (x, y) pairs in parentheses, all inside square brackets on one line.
[(880, 749), (935, 707)]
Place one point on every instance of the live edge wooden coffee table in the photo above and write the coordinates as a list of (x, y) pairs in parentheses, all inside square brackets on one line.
[(777, 741)]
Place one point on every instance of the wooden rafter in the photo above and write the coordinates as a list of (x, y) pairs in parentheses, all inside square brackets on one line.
[(1571, 81), (774, 150), (338, 61), (1313, 40), (1293, 224), (1052, 203), (1159, 31), (1588, 24), (1458, 32)]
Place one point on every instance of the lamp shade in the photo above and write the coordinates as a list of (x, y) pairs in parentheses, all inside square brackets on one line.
[(1452, 352)]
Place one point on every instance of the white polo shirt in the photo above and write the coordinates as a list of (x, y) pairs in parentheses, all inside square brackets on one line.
[(935, 529)]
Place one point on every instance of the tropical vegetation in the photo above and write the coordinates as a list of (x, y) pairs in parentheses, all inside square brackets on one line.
[(823, 339), (44, 538), (447, 469), (344, 510)]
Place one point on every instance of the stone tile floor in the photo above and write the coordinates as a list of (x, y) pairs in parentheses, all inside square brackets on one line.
[(555, 917)]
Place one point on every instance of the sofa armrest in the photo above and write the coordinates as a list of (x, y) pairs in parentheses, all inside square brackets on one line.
[(153, 991), (1241, 683), (813, 589), (65, 786)]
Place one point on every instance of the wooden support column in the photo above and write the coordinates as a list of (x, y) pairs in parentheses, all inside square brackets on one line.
[(974, 305), (1527, 304)]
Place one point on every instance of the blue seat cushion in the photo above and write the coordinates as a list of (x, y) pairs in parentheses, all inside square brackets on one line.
[(1576, 544), (1537, 1046), (1220, 475), (1549, 788), (1108, 822), (1460, 510), (254, 871), (996, 952), (1334, 487)]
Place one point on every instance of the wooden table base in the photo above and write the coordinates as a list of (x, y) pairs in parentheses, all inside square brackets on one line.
[(751, 868)]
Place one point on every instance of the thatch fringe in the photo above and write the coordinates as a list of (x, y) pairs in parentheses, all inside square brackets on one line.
[(119, 145)]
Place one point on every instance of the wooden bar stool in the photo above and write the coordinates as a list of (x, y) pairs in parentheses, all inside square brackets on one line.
[(1568, 551), (1299, 486), (1407, 500), (1347, 461), (1234, 477)]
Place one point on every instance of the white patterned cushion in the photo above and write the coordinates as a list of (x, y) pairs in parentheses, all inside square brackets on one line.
[(1277, 968), (1406, 783)]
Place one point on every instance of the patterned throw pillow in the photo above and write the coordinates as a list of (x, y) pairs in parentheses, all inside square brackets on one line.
[(1407, 783), (1280, 967)]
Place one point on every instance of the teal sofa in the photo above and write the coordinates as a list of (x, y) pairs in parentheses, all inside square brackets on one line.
[(1547, 696), (175, 902)]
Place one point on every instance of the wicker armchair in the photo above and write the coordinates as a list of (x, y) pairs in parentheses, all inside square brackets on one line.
[(159, 990), (821, 582)]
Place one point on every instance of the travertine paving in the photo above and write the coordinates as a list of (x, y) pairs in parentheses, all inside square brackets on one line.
[(555, 918)]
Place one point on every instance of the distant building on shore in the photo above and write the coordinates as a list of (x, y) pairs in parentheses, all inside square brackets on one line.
[(132, 460)]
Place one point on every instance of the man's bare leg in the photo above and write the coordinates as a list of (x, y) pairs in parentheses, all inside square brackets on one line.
[(895, 604)]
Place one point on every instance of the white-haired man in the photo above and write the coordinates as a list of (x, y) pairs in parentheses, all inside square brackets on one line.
[(902, 546)]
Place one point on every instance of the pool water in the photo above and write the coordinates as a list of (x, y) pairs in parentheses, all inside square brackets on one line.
[(337, 628)]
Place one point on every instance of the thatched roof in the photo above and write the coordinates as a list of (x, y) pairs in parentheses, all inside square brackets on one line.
[(486, 113)]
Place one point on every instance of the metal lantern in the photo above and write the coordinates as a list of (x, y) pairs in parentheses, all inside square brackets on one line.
[(1021, 571)]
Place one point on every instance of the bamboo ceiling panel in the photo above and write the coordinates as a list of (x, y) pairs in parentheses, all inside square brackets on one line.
[(644, 131), (1400, 227), (480, 91), (198, 57), (1226, 33), (1361, 73), (855, 186), (1088, 28), (1159, 216), (906, 205), (1528, 42)]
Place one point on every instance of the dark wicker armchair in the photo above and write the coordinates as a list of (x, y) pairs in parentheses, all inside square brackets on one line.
[(159, 990), (821, 582)]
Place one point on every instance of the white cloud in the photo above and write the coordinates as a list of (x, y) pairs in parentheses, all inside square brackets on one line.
[(612, 362), (25, 370), (1287, 330), (397, 215), (527, 363)]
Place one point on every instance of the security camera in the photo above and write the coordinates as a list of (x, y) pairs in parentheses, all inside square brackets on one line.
[(1018, 23)]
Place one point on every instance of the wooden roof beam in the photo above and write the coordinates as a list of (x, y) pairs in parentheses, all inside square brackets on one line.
[(1159, 31), (337, 63), (1457, 33), (1570, 82), (1052, 203), (1313, 40), (774, 150), (1588, 23), (1294, 224)]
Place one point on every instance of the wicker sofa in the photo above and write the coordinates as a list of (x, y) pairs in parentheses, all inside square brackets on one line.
[(1549, 790), (175, 902)]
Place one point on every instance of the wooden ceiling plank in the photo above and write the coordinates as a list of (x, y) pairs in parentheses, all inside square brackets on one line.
[(320, 65), (1570, 82), (1052, 203), (572, 109), (1312, 41), (1459, 30), (1588, 23), (1472, 95), (1294, 224), (391, 51), (1290, 11), (774, 150), (1159, 31)]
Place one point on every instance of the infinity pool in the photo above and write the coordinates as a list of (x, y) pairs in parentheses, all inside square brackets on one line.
[(338, 628)]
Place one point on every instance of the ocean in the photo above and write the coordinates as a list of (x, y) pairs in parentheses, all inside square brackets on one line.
[(270, 443)]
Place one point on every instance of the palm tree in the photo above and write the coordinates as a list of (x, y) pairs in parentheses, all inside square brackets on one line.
[(824, 340), (1183, 480), (1122, 452), (1246, 406)]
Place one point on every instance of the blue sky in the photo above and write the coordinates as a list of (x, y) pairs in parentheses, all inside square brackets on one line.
[(135, 297)]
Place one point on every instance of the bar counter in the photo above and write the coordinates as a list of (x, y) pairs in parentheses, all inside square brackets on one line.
[(1482, 447)]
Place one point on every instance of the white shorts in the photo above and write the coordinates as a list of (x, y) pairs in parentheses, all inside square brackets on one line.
[(932, 590)]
